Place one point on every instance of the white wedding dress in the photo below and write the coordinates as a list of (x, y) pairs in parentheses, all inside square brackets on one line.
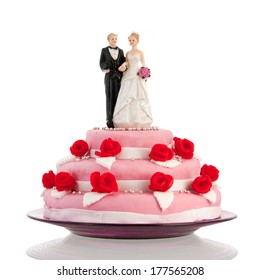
[(132, 108)]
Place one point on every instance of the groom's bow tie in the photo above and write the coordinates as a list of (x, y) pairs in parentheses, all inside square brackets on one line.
[(113, 48)]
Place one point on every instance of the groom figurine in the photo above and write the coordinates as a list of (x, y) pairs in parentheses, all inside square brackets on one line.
[(111, 59)]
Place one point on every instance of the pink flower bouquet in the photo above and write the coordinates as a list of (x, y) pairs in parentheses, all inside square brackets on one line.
[(144, 73)]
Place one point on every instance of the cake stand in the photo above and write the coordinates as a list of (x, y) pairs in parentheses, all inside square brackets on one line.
[(140, 241)]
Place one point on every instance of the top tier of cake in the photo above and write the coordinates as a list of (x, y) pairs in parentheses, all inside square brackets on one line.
[(135, 144), (130, 138)]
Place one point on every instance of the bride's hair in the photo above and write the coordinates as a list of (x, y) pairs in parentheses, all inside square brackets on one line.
[(134, 34)]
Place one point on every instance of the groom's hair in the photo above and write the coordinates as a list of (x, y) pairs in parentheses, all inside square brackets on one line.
[(111, 34)]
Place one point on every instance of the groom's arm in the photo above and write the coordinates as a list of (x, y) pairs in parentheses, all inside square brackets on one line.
[(103, 63), (122, 62)]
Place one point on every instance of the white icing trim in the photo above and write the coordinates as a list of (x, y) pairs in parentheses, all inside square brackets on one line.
[(127, 153), (90, 216), (137, 185)]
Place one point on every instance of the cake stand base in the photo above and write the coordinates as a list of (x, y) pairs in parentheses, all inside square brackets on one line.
[(75, 247)]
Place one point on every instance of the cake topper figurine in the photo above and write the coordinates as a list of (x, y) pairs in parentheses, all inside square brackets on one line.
[(110, 59), (132, 108)]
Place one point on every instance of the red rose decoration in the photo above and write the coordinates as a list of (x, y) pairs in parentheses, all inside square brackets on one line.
[(105, 183), (183, 148), (64, 182), (48, 180), (202, 184), (109, 148), (160, 182), (211, 171), (79, 148), (161, 152)]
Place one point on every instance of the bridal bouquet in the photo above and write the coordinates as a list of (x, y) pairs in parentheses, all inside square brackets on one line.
[(144, 73)]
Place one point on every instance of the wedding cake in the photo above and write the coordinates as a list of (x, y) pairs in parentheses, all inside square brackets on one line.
[(131, 176)]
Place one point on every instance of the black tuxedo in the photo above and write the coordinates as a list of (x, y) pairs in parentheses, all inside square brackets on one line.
[(112, 80)]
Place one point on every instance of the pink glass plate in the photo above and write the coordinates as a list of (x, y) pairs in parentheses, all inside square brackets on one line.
[(134, 231)]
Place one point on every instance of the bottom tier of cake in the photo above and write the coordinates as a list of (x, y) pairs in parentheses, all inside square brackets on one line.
[(132, 208)]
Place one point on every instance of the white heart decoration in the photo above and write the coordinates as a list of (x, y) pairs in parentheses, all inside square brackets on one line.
[(210, 196), (164, 199), (92, 197), (106, 161)]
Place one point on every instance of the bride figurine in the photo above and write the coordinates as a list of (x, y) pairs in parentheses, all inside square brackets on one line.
[(132, 108)]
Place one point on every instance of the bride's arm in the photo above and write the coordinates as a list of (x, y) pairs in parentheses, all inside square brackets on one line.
[(142, 59)]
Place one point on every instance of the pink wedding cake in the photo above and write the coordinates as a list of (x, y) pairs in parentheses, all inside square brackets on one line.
[(131, 176)]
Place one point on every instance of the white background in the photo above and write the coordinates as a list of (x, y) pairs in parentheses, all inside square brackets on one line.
[(204, 58)]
